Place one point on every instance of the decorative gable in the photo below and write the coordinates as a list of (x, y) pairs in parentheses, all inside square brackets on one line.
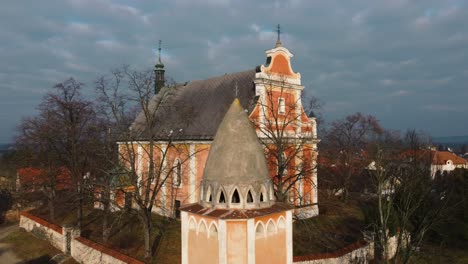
[(279, 63)]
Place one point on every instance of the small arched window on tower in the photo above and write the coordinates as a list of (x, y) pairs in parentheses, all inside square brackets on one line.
[(222, 198), (208, 195), (262, 197), (249, 197), (235, 197), (177, 174)]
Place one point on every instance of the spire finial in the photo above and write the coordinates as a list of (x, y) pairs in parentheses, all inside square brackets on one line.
[(278, 31), (159, 51), (236, 89)]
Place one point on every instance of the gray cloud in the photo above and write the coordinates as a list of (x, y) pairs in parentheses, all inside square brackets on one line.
[(402, 61)]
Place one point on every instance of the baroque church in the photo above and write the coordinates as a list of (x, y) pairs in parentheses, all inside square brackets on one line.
[(187, 117)]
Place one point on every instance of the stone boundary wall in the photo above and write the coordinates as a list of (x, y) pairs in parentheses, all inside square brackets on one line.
[(87, 251), (81, 249), (43, 229), (359, 251)]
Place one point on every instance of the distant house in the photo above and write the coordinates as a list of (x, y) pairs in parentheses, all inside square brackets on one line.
[(30, 179), (445, 161)]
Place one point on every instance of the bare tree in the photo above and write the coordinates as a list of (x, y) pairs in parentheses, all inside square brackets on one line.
[(344, 147), (406, 195), (145, 160), (289, 140), (420, 201), (64, 134), (383, 172)]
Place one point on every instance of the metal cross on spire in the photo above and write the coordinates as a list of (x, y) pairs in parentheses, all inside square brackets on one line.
[(236, 89), (278, 31), (159, 51)]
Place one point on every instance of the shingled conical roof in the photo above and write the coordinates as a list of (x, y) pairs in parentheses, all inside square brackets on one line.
[(236, 155), (236, 173)]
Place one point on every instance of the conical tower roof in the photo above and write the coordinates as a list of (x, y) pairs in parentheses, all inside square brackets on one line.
[(236, 156)]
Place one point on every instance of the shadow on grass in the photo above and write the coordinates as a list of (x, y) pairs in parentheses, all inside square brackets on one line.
[(39, 260)]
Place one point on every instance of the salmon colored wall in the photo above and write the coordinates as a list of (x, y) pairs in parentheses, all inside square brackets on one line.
[(271, 249), (280, 65), (236, 241), (273, 217), (201, 247)]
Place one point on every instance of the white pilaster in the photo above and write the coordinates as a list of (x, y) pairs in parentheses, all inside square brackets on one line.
[(289, 240), (193, 171), (164, 175), (314, 182), (298, 112), (222, 242), (184, 219), (140, 165), (250, 241)]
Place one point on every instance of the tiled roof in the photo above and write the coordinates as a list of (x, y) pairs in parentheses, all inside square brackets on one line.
[(195, 110), (441, 157), (435, 157), (235, 213), (30, 178)]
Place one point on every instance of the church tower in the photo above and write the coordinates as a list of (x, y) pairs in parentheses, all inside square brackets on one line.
[(159, 80), (236, 219)]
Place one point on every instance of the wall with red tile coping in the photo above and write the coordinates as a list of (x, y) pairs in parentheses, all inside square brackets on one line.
[(82, 249), (336, 254), (360, 251), (42, 222), (105, 250)]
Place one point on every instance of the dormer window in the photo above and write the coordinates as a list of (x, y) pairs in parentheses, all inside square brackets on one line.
[(281, 106)]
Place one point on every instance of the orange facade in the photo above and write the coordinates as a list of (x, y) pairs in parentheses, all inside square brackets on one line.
[(265, 241)]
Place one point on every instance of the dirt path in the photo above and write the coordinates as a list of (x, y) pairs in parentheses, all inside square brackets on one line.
[(6, 254)]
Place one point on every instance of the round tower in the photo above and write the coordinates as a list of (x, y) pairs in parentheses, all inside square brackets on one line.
[(236, 219)]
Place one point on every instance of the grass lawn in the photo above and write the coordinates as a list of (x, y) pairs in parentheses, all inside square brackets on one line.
[(31, 249), (338, 225), (433, 254)]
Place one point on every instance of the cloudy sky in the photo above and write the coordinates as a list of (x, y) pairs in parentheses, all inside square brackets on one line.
[(406, 62)]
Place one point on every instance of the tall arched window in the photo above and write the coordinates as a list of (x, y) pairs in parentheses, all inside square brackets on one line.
[(177, 173)]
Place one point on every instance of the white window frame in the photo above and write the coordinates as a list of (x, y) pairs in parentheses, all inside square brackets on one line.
[(177, 174), (281, 105)]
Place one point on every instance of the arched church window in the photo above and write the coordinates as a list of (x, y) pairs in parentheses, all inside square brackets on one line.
[(249, 197), (177, 173), (235, 197), (262, 199)]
